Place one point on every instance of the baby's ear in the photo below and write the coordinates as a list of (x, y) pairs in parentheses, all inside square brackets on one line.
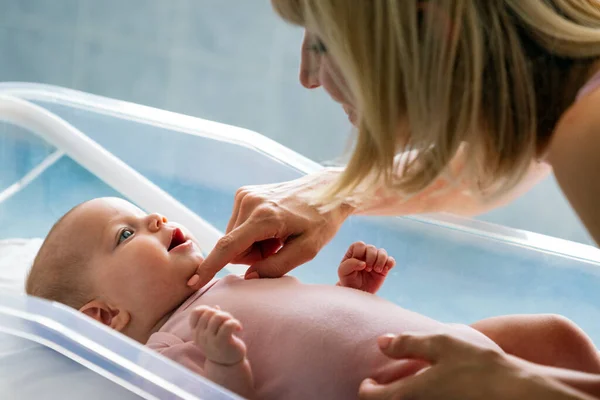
[(105, 314)]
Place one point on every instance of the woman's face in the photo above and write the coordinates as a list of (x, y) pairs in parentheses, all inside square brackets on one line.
[(318, 69)]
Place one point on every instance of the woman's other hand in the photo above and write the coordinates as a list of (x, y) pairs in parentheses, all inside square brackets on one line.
[(460, 370)]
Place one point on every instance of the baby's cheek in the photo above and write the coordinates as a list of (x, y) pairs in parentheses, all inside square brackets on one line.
[(149, 274), (148, 258)]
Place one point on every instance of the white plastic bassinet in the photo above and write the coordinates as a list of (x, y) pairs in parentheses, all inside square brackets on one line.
[(60, 147)]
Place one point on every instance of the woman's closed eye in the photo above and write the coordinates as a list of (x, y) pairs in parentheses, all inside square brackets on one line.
[(124, 234), (318, 46)]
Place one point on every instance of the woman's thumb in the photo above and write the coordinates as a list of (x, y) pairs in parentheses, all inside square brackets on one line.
[(291, 255)]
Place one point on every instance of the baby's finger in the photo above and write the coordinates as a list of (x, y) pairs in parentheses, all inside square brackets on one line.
[(380, 261), (349, 266), (348, 253), (205, 318), (196, 314), (228, 328), (371, 256), (357, 250), (390, 263), (217, 320)]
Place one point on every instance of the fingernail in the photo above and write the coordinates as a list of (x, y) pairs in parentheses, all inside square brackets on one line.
[(384, 341), (366, 383), (193, 280), (253, 275)]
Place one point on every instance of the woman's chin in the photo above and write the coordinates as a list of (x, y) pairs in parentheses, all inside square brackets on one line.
[(352, 117), (351, 114)]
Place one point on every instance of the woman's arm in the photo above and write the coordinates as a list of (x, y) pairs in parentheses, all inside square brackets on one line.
[(266, 217), (584, 382), (445, 196)]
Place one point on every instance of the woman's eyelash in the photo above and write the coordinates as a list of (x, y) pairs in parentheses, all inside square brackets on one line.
[(318, 46)]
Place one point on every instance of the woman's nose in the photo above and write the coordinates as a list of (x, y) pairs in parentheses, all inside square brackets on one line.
[(309, 79), (309, 65), (155, 222)]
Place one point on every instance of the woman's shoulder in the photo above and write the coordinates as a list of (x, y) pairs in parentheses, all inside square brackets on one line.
[(578, 128), (574, 154)]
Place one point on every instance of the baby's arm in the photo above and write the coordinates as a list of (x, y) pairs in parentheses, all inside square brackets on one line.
[(226, 363), (364, 267)]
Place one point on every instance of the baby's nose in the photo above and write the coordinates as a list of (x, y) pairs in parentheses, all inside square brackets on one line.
[(156, 221)]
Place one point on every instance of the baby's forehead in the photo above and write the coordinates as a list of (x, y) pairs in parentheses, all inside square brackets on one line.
[(92, 217), (83, 228), (109, 208)]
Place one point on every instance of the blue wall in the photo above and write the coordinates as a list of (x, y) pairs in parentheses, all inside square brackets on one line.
[(231, 61)]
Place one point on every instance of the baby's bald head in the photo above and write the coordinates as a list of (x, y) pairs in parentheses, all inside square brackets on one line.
[(59, 270)]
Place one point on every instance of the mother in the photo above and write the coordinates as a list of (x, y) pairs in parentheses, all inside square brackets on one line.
[(460, 106)]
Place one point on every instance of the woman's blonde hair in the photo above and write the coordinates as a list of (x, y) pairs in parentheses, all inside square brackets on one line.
[(433, 75)]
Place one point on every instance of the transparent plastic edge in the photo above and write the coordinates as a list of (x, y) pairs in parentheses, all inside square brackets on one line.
[(250, 139), (547, 244), (55, 317), (160, 118), (80, 360), (106, 166)]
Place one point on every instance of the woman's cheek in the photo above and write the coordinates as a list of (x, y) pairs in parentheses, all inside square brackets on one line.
[(331, 88), (334, 83)]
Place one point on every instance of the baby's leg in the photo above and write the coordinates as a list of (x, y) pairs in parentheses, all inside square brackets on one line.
[(547, 339)]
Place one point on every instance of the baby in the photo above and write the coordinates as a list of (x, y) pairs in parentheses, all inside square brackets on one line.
[(129, 271)]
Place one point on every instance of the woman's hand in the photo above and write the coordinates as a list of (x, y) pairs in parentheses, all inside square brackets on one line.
[(268, 218), (460, 370)]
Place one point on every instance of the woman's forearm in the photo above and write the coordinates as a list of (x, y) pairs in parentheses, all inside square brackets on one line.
[(584, 382), (581, 381), (442, 195), (446, 196)]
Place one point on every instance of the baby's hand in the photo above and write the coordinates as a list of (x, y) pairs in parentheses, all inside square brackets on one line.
[(214, 334), (364, 267)]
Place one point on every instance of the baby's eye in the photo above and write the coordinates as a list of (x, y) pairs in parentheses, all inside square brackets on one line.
[(125, 234)]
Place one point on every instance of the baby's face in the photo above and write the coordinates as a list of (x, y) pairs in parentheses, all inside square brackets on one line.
[(138, 261)]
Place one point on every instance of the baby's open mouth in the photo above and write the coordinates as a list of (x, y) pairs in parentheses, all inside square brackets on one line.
[(177, 239)]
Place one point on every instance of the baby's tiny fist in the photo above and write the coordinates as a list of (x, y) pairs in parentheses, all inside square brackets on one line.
[(364, 267), (215, 335)]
